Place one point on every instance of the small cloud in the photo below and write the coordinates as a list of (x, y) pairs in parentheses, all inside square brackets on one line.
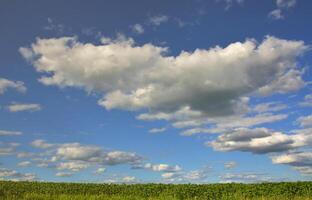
[(137, 28), (129, 179), (52, 26), (307, 101), (9, 133), (229, 3), (230, 165), (64, 174), (276, 14), (158, 19), (5, 84), (24, 164), (286, 3), (100, 170), (281, 5), (157, 130), (19, 107), (41, 144)]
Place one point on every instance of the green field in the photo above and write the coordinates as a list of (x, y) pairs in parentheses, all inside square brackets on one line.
[(231, 191)]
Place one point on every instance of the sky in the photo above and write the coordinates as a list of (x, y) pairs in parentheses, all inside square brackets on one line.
[(156, 91)]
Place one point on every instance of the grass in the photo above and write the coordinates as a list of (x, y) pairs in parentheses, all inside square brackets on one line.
[(80, 191)]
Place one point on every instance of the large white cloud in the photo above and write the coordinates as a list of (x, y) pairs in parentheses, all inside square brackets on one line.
[(212, 81), (259, 141), (300, 161)]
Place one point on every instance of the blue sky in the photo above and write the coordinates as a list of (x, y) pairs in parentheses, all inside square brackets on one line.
[(156, 91)]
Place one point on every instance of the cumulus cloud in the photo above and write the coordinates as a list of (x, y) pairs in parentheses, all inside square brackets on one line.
[(199, 175), (13, 175), (132, 77), (9, 133), (259, 141), (300, 161), (76, 157), (159, 167), (290, 81), (72, 165), (19, 107), (6, 84)]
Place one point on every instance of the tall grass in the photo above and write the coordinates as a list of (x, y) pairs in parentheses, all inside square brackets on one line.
[(232, 191)]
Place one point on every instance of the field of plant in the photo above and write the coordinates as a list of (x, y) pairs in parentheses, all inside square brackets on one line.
[(232, 191)]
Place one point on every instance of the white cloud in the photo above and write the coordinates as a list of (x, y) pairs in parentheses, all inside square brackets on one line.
[(258, 141), (24, 154), (100, 170), (307, 101), (72, 165), (289, 82), (129, 179), (5, 84), (199, 175), (157, 130), (276, 14), (75, 156), (9, 133), (305, 121), (286, 3), (24, 164), (64, 174), (229, 3), (52, 26), (281, 5), (13, 175), (159, 167), (245, 177), (19, 107), (300, 161), (225, 124), (211, 81), (137, 28), (158, 19), (230, 165), (269, 107), (42, 144), (8, 148)]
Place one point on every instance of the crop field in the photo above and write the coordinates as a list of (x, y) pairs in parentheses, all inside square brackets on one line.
[(230, 191)]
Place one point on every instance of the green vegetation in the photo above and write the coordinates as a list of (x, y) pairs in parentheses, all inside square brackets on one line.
[(76, 191)]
